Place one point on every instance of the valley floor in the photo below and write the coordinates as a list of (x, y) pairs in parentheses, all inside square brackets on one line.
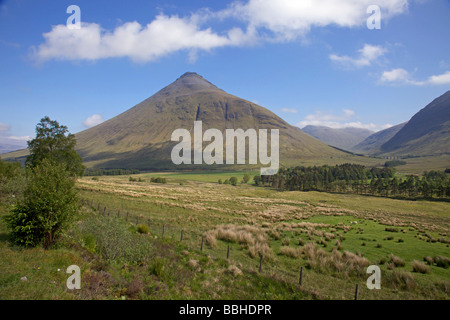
[(194, 223)]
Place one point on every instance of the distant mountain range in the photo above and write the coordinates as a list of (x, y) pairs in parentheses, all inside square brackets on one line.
[(345, 138), (140, 138), (373, 143), (426, 134)]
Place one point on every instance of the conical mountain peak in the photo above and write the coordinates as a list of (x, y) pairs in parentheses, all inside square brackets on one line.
[(189, 83)]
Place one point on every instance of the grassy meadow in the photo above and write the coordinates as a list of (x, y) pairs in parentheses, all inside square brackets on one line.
[(334, 237)]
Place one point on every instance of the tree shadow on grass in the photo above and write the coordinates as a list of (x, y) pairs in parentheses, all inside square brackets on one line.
[(4, 237)]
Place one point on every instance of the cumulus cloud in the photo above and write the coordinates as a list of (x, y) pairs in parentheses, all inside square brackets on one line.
[(161, 37), (289, 19), (367, 55), (264, 20), (402, 76), (289, 110), (93, 120), (440, 79), (344, 120)]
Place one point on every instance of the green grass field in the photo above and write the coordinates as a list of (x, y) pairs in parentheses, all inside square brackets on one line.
[(291, 230)]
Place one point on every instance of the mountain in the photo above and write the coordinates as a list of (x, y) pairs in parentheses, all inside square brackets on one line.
[(140, 138), (345, 138), (373, 143), (427, 133), (9, 147)]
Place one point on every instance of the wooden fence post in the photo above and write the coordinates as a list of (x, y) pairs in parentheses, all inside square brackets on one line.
[(164, 229), (356, 292), (301, 276), (228, 252), (181, 237), (201, 247)]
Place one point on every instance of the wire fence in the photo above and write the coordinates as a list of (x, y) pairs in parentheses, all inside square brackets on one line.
[(196, 241)]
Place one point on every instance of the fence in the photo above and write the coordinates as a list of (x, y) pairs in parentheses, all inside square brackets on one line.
[(163, 231)]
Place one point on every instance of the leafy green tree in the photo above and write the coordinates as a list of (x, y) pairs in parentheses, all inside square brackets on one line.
[(53, 141), (246, 178), (49, 202), (233, 181)]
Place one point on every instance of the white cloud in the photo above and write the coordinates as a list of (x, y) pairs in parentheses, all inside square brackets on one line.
[(11, 141), (21, 139), (402, 76), (345, 120), (161, 37), (289, 110), (367, 55), (264, 20), (440, 79), (288, 19), (93, 120)]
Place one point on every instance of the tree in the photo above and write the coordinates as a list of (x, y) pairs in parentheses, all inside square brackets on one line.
[(53, 141), (246, 178), (49, 203)]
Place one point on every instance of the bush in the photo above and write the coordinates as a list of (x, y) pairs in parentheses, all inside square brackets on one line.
[(49, 203), (158, 180), (114, 241), (420, 267), (143, 228), (401, 280), (290, 252), (442, 262), (397, 261)]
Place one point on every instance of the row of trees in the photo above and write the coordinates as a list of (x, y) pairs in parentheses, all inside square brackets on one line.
[(351, 178), (110, 172)]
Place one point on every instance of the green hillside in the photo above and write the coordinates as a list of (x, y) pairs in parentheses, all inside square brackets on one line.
[(372, 144), (427, 133)]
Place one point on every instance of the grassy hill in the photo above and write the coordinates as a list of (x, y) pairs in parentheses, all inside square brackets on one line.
[(140, 138), (372, 144), (427, 133)]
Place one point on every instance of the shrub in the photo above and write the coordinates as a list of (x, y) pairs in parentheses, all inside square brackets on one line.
[(114, 240), (401, 280), (301, 242), (235, 271), (143, 228), (290, 252), (49, 203), (397, 261), (420, 267), (442, 262), (210, 239), (429, 260)]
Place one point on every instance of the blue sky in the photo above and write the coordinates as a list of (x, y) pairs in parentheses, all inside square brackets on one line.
[(310, 62)]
